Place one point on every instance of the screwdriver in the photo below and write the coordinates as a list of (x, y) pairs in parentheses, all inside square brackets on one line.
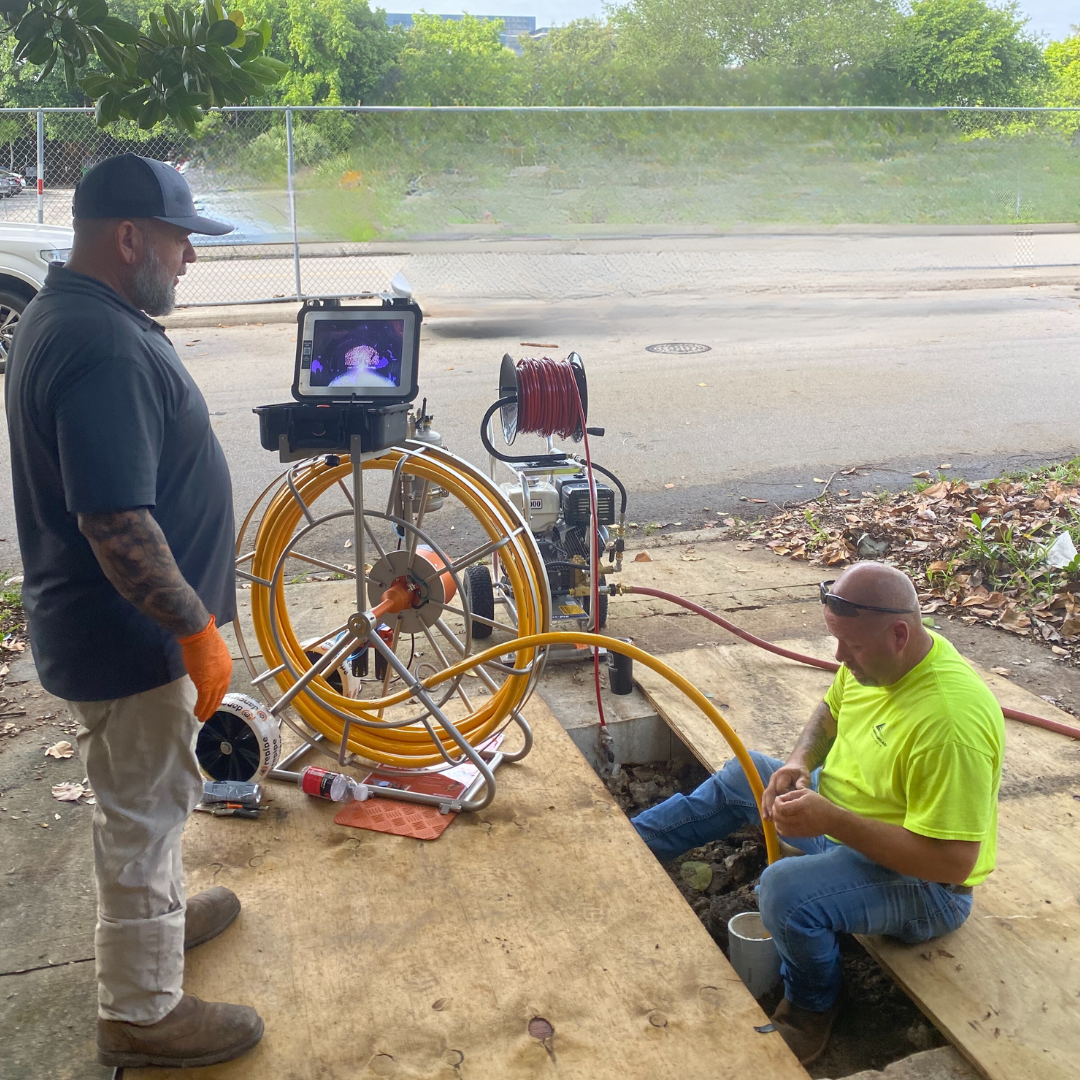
[(229, 810)]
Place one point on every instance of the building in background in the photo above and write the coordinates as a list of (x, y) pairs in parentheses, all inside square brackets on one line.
[(513, 25)]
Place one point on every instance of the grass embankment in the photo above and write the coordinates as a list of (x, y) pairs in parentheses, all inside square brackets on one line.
[(367, 176)]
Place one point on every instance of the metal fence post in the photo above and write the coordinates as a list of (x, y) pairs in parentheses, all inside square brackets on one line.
[(40, 165), (292, 199)]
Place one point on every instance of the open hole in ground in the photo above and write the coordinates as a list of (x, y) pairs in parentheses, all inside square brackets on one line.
[(878, 1024)]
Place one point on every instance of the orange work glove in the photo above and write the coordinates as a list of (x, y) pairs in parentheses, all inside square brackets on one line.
[(208, 662)]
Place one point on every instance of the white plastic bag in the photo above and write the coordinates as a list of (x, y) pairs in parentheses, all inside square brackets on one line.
[(1061, 552)]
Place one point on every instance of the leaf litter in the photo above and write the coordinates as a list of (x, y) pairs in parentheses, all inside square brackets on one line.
[(976, 551), (74, 791)]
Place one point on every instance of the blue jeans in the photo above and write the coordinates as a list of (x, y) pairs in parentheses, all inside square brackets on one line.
[(805, 902)]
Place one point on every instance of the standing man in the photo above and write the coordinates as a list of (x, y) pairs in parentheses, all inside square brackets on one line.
[(124, 508), (890, 794)]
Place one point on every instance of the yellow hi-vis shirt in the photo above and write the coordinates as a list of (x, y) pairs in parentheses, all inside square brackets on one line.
[(924, 753)]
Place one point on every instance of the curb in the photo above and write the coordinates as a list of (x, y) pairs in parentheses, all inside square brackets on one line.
[(248, 315)]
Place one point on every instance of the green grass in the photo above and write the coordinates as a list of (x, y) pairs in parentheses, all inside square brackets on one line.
[(394, 177), (12, 615)]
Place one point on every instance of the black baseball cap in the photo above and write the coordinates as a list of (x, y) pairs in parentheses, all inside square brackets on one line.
[(129, 186)]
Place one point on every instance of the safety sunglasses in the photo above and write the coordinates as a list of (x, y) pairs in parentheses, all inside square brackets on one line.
[(848, 609)]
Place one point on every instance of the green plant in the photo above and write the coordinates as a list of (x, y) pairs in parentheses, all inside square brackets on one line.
[(943, 577), (12, 615), (1007, 556), (185, 61), (821, 535)]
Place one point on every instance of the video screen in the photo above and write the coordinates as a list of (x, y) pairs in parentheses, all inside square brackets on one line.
[(356, 357)]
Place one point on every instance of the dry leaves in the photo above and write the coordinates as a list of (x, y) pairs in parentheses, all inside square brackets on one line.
[(62, 749), (928, 532), (642, 556), (70, 791)]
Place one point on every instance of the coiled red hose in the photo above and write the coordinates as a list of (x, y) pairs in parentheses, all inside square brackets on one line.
[(549, 403), (548, 400), (813, 661)]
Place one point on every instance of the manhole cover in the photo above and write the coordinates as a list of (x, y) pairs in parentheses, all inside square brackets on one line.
[(679, 347)]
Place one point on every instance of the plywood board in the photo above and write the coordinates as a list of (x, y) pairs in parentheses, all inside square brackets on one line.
[(376, 955), (1005, 988)]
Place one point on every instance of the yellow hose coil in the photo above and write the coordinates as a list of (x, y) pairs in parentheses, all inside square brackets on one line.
[(412, 746)]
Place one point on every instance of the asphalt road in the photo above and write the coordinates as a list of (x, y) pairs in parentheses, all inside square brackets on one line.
[(795, 386)]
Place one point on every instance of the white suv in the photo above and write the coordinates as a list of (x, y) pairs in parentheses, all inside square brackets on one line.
[(25, 254)]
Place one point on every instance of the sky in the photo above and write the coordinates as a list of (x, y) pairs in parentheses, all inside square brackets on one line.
[(1050, 17)]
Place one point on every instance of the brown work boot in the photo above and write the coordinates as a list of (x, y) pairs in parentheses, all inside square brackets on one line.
[(208, 913), (195, 1033), (806, 1032)]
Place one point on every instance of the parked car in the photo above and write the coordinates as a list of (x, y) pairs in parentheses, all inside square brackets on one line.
[(25, 254), (11, 183)]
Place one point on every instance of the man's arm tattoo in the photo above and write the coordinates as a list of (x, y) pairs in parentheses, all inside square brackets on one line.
[(134, 555), (817, 737)]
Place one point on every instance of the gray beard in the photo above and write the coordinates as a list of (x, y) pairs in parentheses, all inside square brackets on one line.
[(152, 285)]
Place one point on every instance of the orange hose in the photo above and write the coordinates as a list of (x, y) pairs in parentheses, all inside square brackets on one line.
[(813, 661)]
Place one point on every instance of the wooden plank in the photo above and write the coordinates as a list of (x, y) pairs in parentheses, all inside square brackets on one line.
[(1005, 988), (374, 955)]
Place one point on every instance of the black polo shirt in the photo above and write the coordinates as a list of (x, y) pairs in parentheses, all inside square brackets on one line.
[(102, 416)]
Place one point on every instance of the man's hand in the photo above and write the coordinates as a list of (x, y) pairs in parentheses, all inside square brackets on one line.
[(793, 776), (803, 813), (209, 663)]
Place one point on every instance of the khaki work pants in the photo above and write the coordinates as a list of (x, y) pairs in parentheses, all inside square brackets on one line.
[(139, 754)]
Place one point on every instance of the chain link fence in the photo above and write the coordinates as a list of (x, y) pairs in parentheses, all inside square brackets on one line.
[(239, 169), (330, 201)]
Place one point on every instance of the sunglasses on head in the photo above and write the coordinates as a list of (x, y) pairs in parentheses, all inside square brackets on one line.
[(848, 609)]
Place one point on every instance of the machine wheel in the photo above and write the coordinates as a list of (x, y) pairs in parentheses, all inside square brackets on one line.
[(241, 741), (481, 596)]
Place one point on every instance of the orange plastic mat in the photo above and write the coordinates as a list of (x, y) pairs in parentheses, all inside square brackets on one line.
[(402, 818)]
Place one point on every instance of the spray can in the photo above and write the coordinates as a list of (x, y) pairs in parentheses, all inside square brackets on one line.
[(335, 786), (422, 432), (324, 784)]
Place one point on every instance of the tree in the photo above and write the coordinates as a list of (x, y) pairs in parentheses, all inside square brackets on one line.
[(576, 64), (455, 62), (964, 52), (186, 60), (723, 33), (336, 50), (1063, 61)]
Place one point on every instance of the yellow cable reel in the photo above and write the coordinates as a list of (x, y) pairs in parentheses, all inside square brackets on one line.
[(411, 745), (371, 736)]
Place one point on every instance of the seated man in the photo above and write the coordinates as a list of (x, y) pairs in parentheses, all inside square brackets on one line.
[(890, 793)]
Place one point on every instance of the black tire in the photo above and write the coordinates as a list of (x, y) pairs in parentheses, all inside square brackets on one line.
[(586, 603), (481, 596), (12, 305)]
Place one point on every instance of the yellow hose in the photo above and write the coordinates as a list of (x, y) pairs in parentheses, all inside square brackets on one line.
[(559, 637), (412, 746)]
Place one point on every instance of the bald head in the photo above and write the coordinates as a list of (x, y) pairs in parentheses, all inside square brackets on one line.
[(879, 585), (879, 648)]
